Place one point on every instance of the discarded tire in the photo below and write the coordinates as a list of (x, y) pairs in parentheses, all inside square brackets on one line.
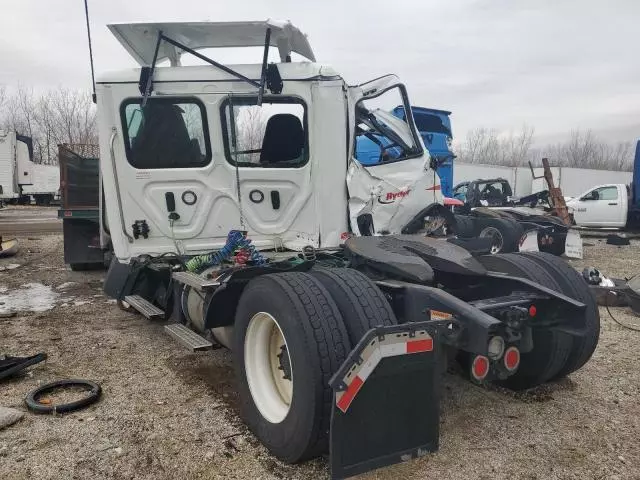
[(35, 406), (550, 348), (573, 285), (361, 303), (290, 316)]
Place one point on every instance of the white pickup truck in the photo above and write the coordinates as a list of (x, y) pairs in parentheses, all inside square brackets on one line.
[(604, 206)]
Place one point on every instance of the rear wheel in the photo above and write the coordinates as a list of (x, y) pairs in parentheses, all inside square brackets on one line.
[(505, 233), (289, 340), (361, 303), (550, 348), (573, 285)]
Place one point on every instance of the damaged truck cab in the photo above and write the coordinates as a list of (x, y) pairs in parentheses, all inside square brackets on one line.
[(238, 211)]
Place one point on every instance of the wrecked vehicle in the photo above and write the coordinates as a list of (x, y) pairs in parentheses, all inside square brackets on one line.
[(239, 231), (514, 224)]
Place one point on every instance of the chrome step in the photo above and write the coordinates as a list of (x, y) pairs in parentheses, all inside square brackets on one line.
[(194, 280), (188, 337), (143, 306)]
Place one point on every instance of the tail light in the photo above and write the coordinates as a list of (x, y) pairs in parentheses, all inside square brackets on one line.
[(511, 359), (480, 367)]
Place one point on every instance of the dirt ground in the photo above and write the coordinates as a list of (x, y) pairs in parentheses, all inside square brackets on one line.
[(170, 414)]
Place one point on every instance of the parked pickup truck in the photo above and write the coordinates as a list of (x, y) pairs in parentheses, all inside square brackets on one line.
[(611, 205), (605, 206)]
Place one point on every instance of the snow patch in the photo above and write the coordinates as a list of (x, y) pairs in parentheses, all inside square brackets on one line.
[(10, 266), (31, 297), (62, 286)]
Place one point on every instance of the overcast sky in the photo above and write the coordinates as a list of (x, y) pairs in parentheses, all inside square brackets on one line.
[(557, 65)]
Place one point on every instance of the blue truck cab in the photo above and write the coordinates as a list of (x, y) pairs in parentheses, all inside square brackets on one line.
[(434, 127)]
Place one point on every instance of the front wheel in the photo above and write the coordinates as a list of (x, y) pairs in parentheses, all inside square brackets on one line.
[(289, 339)]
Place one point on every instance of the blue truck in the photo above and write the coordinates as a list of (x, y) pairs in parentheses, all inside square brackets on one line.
[(434, 127)]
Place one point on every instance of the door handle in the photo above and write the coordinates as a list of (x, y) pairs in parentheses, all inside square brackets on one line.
[(613, 203), (275, 199)]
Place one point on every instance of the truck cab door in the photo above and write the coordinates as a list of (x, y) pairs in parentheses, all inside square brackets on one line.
[(600, 207), (396, 182)]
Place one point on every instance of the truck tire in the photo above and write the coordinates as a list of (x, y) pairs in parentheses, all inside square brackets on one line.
[(550, 348), (360, 301), (573, 285), (463, 226), (287, 325), (506, 233)]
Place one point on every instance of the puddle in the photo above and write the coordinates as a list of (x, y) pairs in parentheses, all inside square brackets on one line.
[(32, 297)]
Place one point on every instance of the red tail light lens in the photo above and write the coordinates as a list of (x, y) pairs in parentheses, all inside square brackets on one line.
[(480, 367), (511, 358)]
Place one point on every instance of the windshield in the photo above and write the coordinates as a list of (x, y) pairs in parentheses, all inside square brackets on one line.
[(382, 137)]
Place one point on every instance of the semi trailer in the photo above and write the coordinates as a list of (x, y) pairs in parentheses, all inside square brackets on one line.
[(22, 180), (281, 246)]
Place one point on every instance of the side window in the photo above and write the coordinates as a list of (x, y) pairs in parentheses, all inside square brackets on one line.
[(382, 134), (461, 192), (272, 135), (608, 193), (166, 133)]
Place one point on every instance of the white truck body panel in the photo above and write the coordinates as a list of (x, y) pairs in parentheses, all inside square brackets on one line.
[(313, 195), (46, 180), (204, 226), (16, 167), (8, 183), (605, 205), (139, 39)]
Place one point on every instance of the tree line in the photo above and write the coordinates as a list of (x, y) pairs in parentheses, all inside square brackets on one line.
[(63, 115), (49, 117), (583, 149)]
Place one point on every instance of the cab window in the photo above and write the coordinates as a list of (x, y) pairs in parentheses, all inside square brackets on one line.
[(602, 193), (273, 135), (166, 133)]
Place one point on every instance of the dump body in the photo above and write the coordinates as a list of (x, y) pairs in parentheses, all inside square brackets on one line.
[(85, 239)]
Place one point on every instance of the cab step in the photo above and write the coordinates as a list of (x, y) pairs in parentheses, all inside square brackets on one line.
[(145, 307), (194, 280), (188, 337)]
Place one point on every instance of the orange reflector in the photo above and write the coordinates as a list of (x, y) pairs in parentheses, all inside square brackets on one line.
[(532, 311), (480, 367), (511, 358)]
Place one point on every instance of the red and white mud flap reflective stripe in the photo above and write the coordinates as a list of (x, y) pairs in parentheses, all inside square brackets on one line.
[(386, 399), (379, 348)]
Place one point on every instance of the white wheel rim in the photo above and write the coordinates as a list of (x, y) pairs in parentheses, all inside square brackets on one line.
[(271, 392), (496, 238)]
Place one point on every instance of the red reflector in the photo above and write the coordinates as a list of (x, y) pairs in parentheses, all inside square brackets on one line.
[(532, 311), (512, 358), (480, 367), (349, 394), (417, 346)]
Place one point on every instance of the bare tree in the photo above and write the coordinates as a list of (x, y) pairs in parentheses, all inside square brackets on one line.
[(581, 150), (486, 146), (250, 124), (52, 117)]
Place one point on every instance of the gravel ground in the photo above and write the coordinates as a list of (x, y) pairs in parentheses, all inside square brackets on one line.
[(167, 413)]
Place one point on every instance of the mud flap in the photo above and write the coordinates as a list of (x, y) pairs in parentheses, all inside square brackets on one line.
[(529, 242), (386, 400), (573, 244)]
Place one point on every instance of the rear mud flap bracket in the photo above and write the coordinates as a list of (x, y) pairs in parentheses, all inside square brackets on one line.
[(386, 400)]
